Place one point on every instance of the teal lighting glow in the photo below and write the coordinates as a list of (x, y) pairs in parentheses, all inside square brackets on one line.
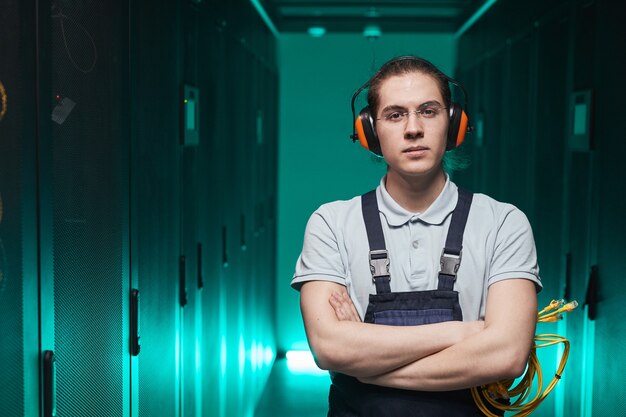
[(372, 32), (190, 115), (588, 354), (223, 356), (260, 355), (300, 345), (242, 356), (261, 11), (559, 390), (474, 18), (302, 362), (317, 31), (198, 384), (253, 356), (177, 353), (198, 356), (268, 355), (580, 119)]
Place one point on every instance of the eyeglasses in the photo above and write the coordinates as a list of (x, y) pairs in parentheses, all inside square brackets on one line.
[(398, 117)]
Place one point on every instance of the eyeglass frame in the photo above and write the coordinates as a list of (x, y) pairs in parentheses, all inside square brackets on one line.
[(405, 114)]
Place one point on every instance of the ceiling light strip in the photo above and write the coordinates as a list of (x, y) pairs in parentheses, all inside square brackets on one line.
[(477, 15), (259, 8)]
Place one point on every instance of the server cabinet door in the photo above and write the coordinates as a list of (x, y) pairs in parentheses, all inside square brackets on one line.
[(84, 206), (212, 147), (548, 201), (194, 186), (494, 128), (18, 234), (155, 182)]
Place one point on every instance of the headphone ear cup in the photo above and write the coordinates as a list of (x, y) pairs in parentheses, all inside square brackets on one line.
[(457, 126), (366, 132)]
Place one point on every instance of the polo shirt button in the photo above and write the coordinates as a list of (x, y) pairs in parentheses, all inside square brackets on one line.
[(415, 244)]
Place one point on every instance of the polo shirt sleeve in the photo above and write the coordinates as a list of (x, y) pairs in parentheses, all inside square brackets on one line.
[(514, 253), (320, 259)]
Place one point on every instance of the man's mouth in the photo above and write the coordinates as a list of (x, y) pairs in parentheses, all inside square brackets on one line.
[(415, 149)]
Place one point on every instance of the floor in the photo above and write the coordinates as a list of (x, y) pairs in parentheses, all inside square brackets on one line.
[(290, 394)]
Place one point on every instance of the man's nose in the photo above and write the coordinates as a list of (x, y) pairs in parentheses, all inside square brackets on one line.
[(414, 125)]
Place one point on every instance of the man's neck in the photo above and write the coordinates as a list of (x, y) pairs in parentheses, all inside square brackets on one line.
[(415, 194)]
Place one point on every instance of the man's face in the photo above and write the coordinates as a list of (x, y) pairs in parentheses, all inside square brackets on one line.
[(413, 145)]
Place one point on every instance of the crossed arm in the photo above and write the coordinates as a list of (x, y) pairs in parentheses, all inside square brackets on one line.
[(434, 357)]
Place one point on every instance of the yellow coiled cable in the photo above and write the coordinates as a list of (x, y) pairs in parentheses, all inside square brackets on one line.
[(502, 390)]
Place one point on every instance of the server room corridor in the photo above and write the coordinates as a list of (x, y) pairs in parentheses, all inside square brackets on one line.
[(159, 162)]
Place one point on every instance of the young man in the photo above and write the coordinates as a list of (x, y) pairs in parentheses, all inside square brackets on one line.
[(404, 325)]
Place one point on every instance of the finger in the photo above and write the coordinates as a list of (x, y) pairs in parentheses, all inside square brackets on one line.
[(337, 300), (353, 313), (337, 305)]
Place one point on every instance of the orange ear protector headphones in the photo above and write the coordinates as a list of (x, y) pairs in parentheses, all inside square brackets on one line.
[(365, 130)]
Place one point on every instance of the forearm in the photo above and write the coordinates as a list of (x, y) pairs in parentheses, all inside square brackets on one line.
[(499, 351), (362, 349), (480, 359)]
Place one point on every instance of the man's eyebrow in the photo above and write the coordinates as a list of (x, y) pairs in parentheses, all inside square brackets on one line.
[(396, 107), (430, 103)]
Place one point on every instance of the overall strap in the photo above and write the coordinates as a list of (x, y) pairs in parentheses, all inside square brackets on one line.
[(451, 254), (378, 257)]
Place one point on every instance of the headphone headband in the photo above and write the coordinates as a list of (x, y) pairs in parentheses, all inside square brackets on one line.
[(457, 114)]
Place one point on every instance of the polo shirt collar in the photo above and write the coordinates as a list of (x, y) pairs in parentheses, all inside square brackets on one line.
[(435, 214)]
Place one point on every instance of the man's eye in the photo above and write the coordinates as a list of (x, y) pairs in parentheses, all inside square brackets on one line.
[(394, 116), (429, 112)]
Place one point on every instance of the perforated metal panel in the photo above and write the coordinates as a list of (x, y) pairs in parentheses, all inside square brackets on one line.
[(563, 56), (211, 78), (89, 192), (492, 102), (84, 158), (154, 206), (610, 366), (11, 322), (11, 276), (518, 135), (16, 140), (191, 198)]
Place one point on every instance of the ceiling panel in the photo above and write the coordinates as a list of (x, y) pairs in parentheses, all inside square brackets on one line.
[(354, 16)]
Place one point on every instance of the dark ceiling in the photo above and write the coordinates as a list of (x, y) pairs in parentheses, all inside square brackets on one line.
[(354, 15)]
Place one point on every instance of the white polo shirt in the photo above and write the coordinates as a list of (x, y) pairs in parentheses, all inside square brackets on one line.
[(498, 244)]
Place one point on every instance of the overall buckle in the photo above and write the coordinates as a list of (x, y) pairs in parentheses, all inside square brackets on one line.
[(379, 263), (450, 263)]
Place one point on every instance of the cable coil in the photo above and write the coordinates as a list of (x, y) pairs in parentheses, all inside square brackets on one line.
[(499, 394)]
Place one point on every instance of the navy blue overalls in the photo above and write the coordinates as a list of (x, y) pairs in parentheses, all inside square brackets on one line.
[(351, 398)]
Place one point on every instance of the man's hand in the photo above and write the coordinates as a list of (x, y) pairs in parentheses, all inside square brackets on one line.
[(343, 306), (359, 349), (500, 351), (345, 311)]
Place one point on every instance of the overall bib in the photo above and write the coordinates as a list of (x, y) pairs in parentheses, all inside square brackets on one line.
[(351, 398)]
